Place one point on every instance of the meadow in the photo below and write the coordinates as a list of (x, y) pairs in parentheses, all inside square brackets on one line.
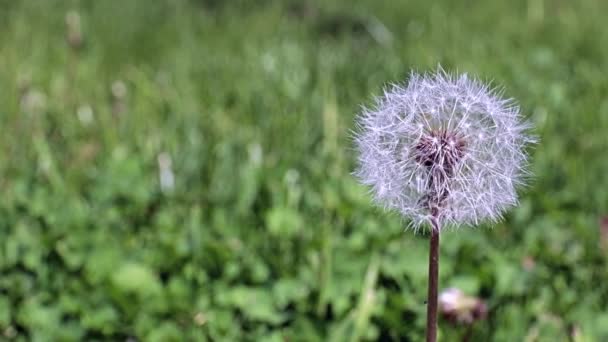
[(182, 171)]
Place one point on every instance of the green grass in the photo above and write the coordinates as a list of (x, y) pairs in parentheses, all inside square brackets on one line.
[(266, 236)]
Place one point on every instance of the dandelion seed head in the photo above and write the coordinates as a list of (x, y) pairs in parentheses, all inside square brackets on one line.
[(443, 147)]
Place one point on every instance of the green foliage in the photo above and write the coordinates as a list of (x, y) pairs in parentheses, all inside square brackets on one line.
[(265, 235)]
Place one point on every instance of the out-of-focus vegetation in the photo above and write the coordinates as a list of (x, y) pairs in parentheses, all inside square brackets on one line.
[(180, 170)]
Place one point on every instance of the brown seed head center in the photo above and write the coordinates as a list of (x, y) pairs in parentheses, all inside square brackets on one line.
[(440, 152)]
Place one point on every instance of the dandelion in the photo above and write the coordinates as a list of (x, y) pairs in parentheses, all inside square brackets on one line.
[(33, 102), (74, 30), (460, 308), (119, 93), (85, 114), (443, 150)]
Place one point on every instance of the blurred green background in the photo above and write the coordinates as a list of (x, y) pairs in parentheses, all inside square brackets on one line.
[(181, 171)]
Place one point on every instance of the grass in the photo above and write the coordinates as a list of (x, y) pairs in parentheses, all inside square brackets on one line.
[(265, 235)]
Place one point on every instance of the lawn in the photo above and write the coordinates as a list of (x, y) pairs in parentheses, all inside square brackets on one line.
[(182, 171)]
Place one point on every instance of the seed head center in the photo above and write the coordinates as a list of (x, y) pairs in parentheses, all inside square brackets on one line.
[(439, 152)]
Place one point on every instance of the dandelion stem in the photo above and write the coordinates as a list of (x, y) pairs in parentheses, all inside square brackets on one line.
[(431, 317)]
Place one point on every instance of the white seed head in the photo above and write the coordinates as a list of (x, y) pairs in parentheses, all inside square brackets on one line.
[(443, 147)]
